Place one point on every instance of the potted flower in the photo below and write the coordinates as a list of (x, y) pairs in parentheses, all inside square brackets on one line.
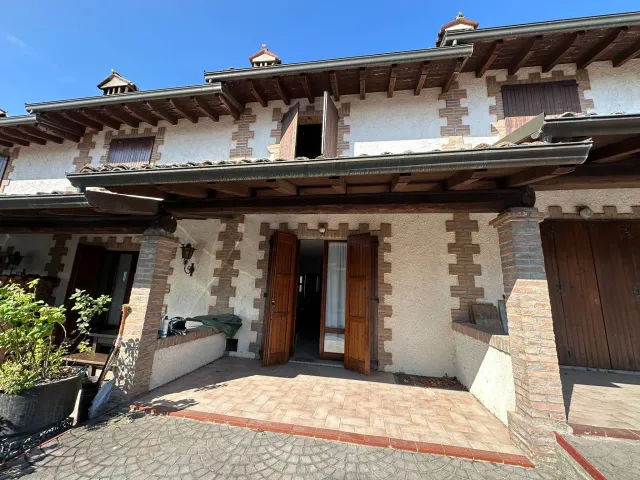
[(36, 389)]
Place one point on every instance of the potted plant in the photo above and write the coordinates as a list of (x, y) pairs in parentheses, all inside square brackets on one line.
[(36, 389)]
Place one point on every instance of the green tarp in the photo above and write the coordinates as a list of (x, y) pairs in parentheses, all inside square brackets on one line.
[(227, 323)]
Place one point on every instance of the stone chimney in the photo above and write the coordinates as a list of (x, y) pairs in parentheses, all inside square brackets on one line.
[(3, 113), (458, 23), (264, 58), (115, 84)]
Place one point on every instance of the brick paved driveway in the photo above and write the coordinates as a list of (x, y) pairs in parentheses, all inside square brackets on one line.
[(138, 446)]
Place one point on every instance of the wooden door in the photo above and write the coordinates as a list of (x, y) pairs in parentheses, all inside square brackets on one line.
[(289, 133), (281, 298), (616, 253), (330, 119), (360, 302), (578, 320)]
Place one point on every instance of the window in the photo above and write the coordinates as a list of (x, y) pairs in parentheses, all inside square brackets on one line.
[(523, 102), (130, 151), (4, 161)]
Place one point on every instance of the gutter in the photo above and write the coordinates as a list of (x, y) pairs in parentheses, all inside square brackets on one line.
[(29, 202), (431, 54), (519, 156), (573, 24), (147, 95), (17, 120)]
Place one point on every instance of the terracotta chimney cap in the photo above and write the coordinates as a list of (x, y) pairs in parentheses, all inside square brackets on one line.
[(264, 58)]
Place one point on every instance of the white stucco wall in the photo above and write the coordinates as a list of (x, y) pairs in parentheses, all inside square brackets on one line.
[(174, 362), (622, 198), (478, 103), (34, 249), (42, 168), (489, 258), (615, 90), (487, 373)]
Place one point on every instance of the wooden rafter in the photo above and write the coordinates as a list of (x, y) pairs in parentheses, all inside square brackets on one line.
[(599, 48), (25, 136), (399, 183), (48, 128), (335, 87), (493, 53), (83, 120), (5, 137), (185, 190), (206, 109), (463, 179), (141, 115), (66, 123), (421, 78), (123, 117), (564, 47), (453, 75), (230, 106), (5, 143), (280, 90), (103, 118), (182, 110), (259, 98), (393, 73), (306, 85), (339, 184), (363, 83), (536, 174), (615, 151), (628, 54), (34, 131), (283, 186), (167, 118), (232, 188), (47, 124), (527, 50)]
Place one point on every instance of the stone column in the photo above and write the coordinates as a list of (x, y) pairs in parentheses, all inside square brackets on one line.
[(157, 250), (539, 404)]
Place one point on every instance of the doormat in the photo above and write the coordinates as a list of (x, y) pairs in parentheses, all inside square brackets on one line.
[(447, 383)]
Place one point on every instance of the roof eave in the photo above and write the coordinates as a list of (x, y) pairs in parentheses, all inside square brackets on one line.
[(31, 202), (17, 120), (430, 54), (520, 156)]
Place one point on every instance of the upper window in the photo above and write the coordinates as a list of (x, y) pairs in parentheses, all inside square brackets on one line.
[(4, 161), (523, 102), (130, 151)]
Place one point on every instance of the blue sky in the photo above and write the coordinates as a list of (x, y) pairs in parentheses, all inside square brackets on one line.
[(51, 50)]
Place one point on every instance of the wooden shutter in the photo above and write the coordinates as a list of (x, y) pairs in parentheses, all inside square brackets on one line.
[(361, 251), (4, 161), (281, 298), (289, 133), (330, 119), (560, 97), (133, 152)]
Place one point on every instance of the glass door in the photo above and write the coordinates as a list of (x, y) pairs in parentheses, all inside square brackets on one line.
[(332, 322)]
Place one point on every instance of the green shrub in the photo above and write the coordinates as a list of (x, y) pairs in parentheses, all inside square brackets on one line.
[(27, 334)]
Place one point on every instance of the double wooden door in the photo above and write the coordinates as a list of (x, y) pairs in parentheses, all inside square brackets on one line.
[(593, 270), (360, 301)]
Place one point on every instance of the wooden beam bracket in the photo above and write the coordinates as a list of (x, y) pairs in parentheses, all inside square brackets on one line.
[(206, 109), (393, 73), (491, 57), (421, 78), (335, 87), (259, 98), (527, 50)]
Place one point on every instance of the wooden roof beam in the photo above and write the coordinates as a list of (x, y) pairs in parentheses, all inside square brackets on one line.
[(335, 87), (525, 54), (421, 79), (182, 110), (103, 118), (306, 85), (399, 183), (14, 132), (167, 118), (536, 174), (36, 132), (232, 188), (66, 123), (277, 84), (231, 108), (598, 49), (185, 190), (283, 186), (463, 179), (339, 184), (494, 50), (393, 73), (453, 75), (206, 109), (141, 115), (259, 98), (615, 151), (628, 54), (363, 83), (83, 120), (5, 143), (57, 128), (123, 117), (564, 47), (8, 138), (58, 132)]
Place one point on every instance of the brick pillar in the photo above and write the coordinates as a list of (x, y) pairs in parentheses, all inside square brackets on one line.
[(539, 404), (157, 250)]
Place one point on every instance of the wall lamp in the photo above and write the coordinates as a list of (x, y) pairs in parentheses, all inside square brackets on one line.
[(11, 261), (187, 253)]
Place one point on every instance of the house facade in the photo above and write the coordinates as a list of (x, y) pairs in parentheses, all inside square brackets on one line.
[(355, 209)]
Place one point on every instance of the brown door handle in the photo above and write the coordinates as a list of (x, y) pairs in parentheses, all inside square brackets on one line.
[(273, 303)]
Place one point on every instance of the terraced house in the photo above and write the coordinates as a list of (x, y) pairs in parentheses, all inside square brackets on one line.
[(362, 210)]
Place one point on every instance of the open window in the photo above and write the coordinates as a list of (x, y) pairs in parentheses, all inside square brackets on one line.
[(310, 137), (133, 152)]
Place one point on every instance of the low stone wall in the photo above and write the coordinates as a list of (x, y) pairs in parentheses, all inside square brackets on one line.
[(483, 364), (180, 355)]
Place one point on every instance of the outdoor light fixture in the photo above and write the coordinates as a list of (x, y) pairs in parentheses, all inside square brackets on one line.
[(11, 261), (187, 253)]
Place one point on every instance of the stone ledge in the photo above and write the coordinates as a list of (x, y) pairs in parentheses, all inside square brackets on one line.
[(499, 341), (192, 335)]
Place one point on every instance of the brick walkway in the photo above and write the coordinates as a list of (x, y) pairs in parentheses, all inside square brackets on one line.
[(139, 446)]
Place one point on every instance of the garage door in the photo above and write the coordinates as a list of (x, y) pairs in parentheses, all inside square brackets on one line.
[(593, 269)]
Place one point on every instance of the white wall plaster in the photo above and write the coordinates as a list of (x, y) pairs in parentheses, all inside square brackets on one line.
[(487, 373), (174, 362), (489, 258), (478, 102), (569, 200), (205, 140), (191, 296), (615, 90), (34, 249)]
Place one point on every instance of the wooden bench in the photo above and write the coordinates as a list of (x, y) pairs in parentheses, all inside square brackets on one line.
[(89, 359)]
